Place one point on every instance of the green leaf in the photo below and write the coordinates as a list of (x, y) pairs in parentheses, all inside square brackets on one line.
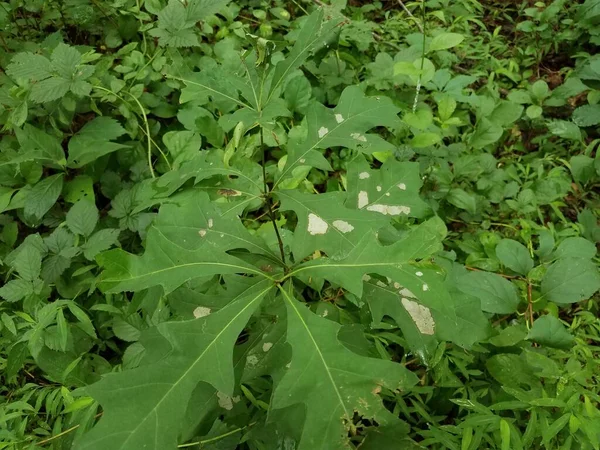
[(549, 331), (393, 189), (423, 140), (575, 247), (82, 217), (445, 41), (515, 256), (587, 115), (29, 66), (312, 36), (506, 113), (331, 381), (325, 224), (497, 295), (570, 280), (344, 126), (100, 241), (179, 355), (486, 133), (15, 290), (463, 200), (94, 141), (534, 111), (297, 93), (564, 129), (37, 145), (49, 89), (185, 242), (42, 196), (28, 262)]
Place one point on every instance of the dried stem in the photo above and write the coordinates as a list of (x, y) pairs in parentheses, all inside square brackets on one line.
[(407, 11)]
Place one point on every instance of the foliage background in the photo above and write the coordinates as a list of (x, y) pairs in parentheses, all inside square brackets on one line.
[(489, 120)]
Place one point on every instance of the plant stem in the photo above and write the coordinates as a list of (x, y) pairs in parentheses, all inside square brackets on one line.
[(217, 438), (407, 11), (267, 193), (422, 59)]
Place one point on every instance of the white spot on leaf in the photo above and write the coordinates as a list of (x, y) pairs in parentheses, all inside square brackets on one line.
[(202, 233), (325, 313), (210, 223), (343, 226), (387, 194), (402, 186), (397, 285), (366, 277), (421, 315), (419, 274), (267, 346), (322, 132), (406, 293), (316, 225), (251, 360), (378, 188), (339, 118), (201, 311), (363, 199), (302, 160), (363, 175), (381, 284), (225, 401), (392, 210), (358, 137), (425, 287)]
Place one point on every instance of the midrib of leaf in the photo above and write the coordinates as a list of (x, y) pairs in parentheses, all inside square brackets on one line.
[(288, 167), (318, 350), (193, 365), (238, 102)]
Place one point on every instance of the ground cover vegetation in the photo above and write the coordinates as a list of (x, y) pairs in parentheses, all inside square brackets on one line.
[(299, 224)]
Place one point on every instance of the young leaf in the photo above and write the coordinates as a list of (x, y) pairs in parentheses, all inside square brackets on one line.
[(331, 381), (179, 356)]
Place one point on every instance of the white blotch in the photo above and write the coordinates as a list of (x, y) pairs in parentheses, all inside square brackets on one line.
[(402, 186), (222, 235), (322, 132), (363, 199), (363, 175), (419, 274), (210, 223), (343, 226), (267, 346), (288, 365), (225, 401), (201, 311), (387, 194), (302, 161), (339, 118), (251, 360), (397, 285), (381, 284), (202, 233), (392, 210), (366, 278), (316, 225), (425, 287), (325, 313), (406, 293), (421, 315), (358, 137), (378, 188)]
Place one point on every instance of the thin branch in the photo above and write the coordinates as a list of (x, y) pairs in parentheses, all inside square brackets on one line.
[(407, 11)]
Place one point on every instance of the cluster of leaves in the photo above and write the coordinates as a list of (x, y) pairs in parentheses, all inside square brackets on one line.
[(262, 225)]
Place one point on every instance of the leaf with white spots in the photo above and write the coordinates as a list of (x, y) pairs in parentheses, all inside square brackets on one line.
[(325, 224), (186, 241), (345, 126), (331, 381), (392, 190)]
